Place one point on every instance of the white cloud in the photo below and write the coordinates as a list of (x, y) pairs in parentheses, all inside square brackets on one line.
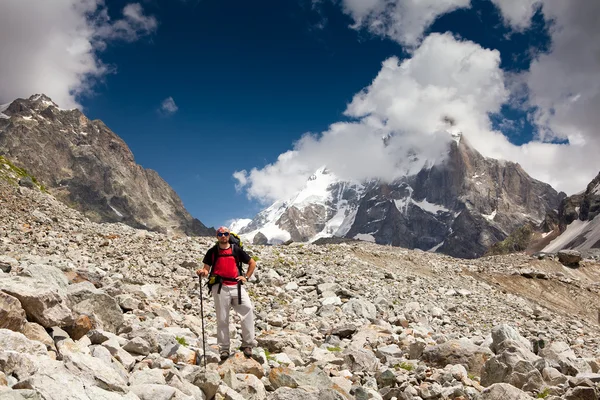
[(168, 106), (52, 47), (404, 21), (563, 87), (517, 13), (411, 99)]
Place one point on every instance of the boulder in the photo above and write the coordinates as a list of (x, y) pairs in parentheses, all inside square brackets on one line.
[(260, 239), (242, 365), (12, 315), (569, 258), (458, 351), (44, 303), (503, 391), (103, 309)]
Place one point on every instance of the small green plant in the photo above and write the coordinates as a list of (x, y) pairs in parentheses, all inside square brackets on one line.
[(181, 341), (544, 393), (255, 258), (405, 366), (335, 349), (269, 356), (17, 173), (471, 376)]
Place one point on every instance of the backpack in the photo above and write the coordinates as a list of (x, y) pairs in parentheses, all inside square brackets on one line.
[(236, 244)]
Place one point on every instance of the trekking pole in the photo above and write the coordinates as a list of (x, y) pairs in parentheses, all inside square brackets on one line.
[(202, 315)]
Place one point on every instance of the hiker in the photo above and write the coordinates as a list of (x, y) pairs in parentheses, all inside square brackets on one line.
[(223, 263)]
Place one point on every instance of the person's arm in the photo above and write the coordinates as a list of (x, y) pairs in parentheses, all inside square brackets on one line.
[(251, 267), (246, 259), (203, 271), (207, 259)]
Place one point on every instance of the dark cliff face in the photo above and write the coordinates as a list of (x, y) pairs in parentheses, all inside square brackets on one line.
[(87, 166), (583, 206), (459, 208)]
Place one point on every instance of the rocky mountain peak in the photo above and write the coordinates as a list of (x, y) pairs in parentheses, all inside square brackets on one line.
[(459, 205), (86, 165)]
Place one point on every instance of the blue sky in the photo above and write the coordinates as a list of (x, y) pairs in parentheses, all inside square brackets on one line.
[(248, 79)]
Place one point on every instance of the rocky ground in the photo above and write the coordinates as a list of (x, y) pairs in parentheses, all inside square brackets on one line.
[(105, 311)]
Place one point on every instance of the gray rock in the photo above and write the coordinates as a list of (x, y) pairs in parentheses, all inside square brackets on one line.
[(137, 345), (582, 393), (44, 303), (260, 239), (7, 263), (460, 351), (503, 391), (360, 308), (24, 394), (287, 393), (570, 258), (153, 392), (505, 332)]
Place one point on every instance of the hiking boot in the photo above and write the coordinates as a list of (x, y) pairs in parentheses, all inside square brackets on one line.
[(247, 351), (224, 355)]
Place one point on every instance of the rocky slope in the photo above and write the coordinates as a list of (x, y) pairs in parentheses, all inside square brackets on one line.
[(87, 166), (459, 207), (106, 311), (577, 222)]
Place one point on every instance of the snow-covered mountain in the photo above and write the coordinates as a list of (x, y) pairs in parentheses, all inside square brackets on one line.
[(579, 226), (459, 206), (325, 207)]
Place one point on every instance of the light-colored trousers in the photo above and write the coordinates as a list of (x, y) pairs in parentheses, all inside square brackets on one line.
[(223, 302)]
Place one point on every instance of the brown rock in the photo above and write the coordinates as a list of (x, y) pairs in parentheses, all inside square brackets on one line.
[(12, 315), (34, 331), (242, 365), (80, 327)]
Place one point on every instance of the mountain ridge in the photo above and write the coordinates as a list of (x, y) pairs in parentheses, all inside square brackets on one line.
[(459, 206), (89, 167)]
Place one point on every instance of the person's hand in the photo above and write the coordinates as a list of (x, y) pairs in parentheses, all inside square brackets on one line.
[(201, 272), (242, 279)]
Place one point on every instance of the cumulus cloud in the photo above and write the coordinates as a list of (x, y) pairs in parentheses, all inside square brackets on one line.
[(562, 87), (52, 47), (168, 106), (517, 13), (409, 103), (447, 84), (401, 20)]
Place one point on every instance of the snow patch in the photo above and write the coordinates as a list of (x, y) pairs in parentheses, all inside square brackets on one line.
[(545, 234), (28, 118), (436, 247), (4, 107), (430, 207), (365, 237), (589, 230), (402, 205), (456, 134), (489, 217), (116, 211), (4, 116), (237, 224), (315, 190), (83, 133)]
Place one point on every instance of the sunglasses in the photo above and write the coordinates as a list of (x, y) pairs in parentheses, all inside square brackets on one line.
[(223, 234)]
